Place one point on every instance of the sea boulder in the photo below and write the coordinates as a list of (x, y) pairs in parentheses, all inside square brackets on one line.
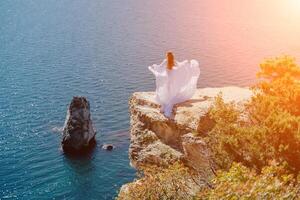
[(108, 147), (78, 132)]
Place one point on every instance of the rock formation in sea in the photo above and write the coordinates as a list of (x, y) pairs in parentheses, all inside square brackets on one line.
[(157, 140), (78, 132)]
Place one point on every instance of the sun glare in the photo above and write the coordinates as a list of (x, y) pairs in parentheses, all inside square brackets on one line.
[(293, 6)]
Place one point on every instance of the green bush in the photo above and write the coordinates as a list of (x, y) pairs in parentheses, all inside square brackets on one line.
[(268, 128), (274, 182)]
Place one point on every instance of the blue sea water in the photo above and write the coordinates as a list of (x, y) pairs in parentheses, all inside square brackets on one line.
[(53, 50)]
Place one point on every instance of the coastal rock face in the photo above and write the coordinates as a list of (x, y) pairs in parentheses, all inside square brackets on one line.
[(78, 132), (197, 155), (161, 141), (156, 139)]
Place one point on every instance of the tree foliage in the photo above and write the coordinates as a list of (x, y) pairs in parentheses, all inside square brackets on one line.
[(259, 136), (274, 182), (268, 128)]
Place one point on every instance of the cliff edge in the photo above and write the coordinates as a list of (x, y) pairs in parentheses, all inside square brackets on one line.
[(157, 140)]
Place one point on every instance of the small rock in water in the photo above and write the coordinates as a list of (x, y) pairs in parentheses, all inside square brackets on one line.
[(108, 147), (78, 132)]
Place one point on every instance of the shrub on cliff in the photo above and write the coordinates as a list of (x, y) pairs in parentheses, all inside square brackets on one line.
[(269, 126), (158, 183), (274, 182), (266, 131)]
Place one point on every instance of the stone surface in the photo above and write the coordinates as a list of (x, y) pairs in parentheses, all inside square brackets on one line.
[(197, 155), (159, 154), (78, 132)]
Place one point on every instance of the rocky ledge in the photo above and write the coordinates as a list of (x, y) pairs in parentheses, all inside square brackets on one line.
[(157, 140)]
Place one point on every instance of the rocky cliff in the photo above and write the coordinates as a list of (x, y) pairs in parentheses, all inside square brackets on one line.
[(157, 140)]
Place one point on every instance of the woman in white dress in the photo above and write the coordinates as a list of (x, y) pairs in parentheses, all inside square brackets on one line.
[(175, 81)]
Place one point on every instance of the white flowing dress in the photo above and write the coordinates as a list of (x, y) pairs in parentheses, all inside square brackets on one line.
[(176, 85)]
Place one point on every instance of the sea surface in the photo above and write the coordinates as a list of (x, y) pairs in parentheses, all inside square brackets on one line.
[(53, 50)]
